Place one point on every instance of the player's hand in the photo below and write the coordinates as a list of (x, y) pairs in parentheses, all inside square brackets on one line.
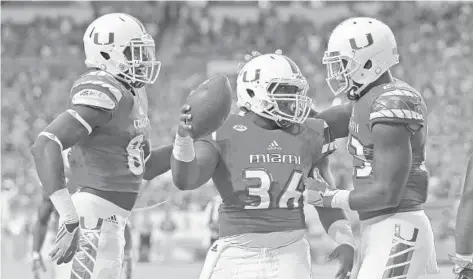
[(463, 268), (346, 256), (128, 265), (65, 246), (185, 121), (37, 265), (319, 192)]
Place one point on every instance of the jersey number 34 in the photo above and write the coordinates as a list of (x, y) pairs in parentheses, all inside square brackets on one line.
[(289, 196)]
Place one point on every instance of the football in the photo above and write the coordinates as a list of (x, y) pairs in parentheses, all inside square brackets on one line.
[(210, 105)]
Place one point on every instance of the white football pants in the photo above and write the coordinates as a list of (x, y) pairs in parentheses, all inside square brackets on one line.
[(399, 247), (279, 255), (102, 243)]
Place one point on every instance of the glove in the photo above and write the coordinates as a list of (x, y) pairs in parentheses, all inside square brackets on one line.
[(319, 192), (37, 264), (66, 244), (463, 268), (128, 265)]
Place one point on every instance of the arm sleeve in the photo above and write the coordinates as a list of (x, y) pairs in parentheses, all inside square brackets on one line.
[(399, 107), (96, 91)]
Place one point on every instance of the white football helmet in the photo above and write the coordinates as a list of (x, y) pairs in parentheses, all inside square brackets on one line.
[(118, 44), (272, 86), (359, 51)]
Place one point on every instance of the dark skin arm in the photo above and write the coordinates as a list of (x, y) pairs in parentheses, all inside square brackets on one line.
[(41, 227), (464, 224), (191, 175), (158, 162), (338, 118), (392, 156), (128, 240), (47, 153), (328, 215)]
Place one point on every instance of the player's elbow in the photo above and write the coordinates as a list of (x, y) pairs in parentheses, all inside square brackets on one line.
[(185, 176), (38, 148), (389, 197), (182, 183)]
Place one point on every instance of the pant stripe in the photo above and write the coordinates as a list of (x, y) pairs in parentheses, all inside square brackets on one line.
[(401, 254), (84, 260)]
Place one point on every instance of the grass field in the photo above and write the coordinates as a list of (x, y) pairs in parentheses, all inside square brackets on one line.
[(21, 270)]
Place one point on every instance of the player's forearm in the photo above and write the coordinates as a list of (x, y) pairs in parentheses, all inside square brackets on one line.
[(184, 164), (128, 240), (50, 168), (337, 118), (464, 226), (373, 199), (322, 167), (39, 234), (336, 225), (392, 161), (49, 165), (185, 175), (158, 162), (328, 216)]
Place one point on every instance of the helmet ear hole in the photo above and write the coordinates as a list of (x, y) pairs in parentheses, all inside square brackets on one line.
[(105, 55), (250, 92), (368, 65)]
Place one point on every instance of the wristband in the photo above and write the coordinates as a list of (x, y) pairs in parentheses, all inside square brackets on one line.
[(340, 231), (341, 199), (62, 201), (35, 255), (468, 258), (183, 149)]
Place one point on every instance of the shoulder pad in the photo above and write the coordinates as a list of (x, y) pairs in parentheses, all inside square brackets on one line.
[(398, 106), (97, 89), (320, 126)]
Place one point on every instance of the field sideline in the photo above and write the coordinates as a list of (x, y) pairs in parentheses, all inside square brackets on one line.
[(13, 270)]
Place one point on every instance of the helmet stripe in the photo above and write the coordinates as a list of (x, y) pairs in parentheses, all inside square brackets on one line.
[(139, 23), (293, 65)]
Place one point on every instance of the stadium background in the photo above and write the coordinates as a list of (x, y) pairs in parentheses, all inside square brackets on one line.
[(42, 53)]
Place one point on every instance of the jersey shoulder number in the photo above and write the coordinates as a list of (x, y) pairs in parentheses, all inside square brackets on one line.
[(321, 127), (96, 89), (398, 105)]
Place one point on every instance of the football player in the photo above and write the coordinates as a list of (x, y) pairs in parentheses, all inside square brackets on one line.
[(107, 122), (386, 125), (464, 229), (259, 161)]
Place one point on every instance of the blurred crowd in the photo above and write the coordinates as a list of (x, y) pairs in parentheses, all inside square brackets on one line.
[(41, 58)]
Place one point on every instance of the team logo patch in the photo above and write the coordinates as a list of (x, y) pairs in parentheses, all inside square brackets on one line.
[(112, 219), (92, 97), (240, 128), (274, 146), (141, 123)]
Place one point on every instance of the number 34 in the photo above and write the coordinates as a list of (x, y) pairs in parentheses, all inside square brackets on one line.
[(263, 189)]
